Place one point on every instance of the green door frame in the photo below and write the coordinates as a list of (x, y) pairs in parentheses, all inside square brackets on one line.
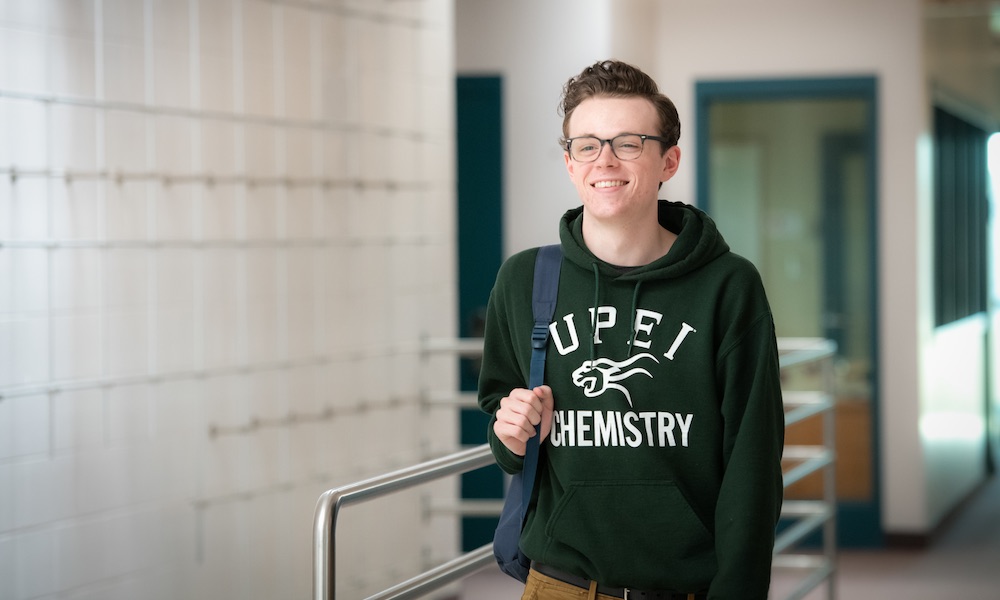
[(859, 524), (479, 194)]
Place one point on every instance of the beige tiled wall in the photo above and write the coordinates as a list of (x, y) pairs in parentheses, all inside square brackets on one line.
[(225, 228)]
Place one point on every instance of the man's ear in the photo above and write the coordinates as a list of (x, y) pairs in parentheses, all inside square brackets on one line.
[(671, 162)]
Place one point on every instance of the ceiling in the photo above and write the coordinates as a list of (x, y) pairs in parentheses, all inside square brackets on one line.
[(962, 41)]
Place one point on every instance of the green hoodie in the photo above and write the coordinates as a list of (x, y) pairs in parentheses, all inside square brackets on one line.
[(662, 470)]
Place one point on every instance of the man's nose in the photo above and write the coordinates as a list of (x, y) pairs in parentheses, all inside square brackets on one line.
[(607, 153)]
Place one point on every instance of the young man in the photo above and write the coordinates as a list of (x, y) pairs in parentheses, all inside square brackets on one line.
[(661, 422)]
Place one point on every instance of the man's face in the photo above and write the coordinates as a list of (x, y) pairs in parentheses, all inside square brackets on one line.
[(609, 187)]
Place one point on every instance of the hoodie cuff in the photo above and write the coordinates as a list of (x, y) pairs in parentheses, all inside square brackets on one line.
[(509, 462)]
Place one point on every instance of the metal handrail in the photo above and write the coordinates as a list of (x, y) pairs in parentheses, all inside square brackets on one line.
[(329, 504), (453, 570), (808, 404), (797, 351)]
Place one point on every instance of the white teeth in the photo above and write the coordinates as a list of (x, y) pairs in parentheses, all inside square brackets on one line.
[(607, 184)]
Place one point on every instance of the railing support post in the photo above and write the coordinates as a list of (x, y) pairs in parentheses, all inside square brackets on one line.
[(324, 563)]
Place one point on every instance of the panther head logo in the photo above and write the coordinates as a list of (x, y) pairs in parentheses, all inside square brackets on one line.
[(595, 377)]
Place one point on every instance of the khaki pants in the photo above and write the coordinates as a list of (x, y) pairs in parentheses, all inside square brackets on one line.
[(543, 587)]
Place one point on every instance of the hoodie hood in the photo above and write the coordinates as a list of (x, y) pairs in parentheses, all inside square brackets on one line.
[(698, 243)]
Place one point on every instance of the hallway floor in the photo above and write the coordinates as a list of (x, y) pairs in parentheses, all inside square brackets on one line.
[(963, 563)]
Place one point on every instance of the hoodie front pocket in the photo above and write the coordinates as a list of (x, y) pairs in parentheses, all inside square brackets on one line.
[(628, 530)]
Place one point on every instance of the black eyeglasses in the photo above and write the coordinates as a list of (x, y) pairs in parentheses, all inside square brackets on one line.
[(627, 146)]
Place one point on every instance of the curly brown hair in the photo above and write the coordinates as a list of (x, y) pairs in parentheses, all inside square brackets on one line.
[(616, 79)]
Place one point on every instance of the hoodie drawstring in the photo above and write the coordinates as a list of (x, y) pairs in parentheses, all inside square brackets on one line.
[(631, 325), (593, 317)]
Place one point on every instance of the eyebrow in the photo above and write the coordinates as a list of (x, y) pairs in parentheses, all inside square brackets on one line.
[(594, 135)]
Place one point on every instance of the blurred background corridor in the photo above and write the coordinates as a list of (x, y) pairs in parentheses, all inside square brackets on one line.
[(237, 238)]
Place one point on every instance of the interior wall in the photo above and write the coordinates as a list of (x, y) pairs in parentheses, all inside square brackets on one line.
[(554, 41), (225, 226)]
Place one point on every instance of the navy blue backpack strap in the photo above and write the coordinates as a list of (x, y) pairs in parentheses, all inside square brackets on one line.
[(506, 540), (543, 306)]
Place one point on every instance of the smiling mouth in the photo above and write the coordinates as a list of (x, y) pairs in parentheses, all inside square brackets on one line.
[(609, 184)]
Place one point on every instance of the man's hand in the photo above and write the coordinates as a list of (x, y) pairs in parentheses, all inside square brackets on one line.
[(518, 415)]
